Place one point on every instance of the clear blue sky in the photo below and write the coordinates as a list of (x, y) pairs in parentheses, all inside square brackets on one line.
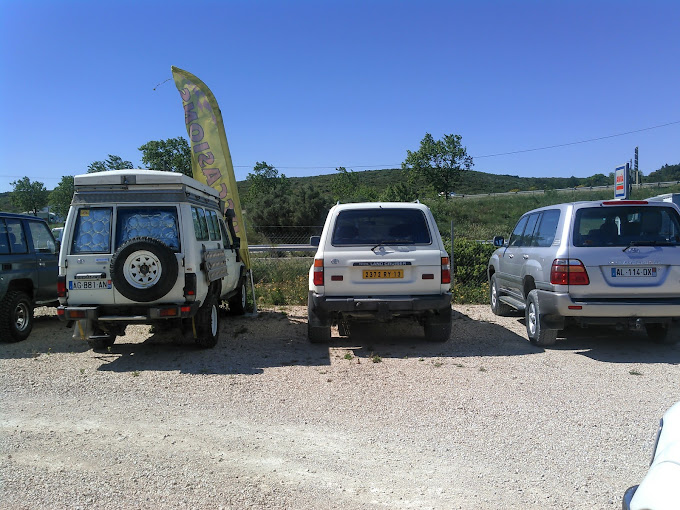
[(308, 86)]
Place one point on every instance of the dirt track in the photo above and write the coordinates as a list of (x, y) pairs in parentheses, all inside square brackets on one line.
[(266, 420)]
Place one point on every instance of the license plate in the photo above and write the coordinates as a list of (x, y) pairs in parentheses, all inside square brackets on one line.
[(633, 272), (374, 274), (89, 284)]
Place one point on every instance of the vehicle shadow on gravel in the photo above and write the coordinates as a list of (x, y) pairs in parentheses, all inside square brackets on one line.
[(274, 339), (49, 336), (247, 345), (469, 338), (608, 345)]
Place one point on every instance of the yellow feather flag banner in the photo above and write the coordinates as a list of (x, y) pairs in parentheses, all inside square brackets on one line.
[(210, 157)]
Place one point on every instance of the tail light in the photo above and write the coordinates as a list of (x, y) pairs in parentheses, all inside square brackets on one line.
[(61, 286), (568, 272), (446, 270), (318, 272), (190, 286)]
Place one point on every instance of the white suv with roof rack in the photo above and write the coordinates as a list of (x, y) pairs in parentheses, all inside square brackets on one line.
[(610, 262), (377, 262), (144, 246)]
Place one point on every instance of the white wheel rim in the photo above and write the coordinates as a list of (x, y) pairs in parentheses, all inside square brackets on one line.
[(493, 295), (142, 269), (532, 319), (213, 320), (243, 296)]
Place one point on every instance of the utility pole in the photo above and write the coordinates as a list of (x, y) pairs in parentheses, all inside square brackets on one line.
[(637, 171)]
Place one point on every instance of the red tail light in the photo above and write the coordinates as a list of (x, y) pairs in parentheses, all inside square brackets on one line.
[(318, 272), (61, 286), (568, 272), (446, 270)]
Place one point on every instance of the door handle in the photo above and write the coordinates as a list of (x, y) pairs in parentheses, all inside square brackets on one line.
[(511, 256), (41, 264), (525, 257)]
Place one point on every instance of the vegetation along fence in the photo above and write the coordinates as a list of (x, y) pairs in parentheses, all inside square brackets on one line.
[(282, 257)]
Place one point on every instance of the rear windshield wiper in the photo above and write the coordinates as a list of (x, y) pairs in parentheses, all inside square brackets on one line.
[(393, 241), (649, 243)]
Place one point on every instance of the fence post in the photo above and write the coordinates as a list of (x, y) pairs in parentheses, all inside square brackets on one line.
[(451, 259)]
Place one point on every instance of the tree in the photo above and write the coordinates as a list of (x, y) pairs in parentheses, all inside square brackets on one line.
[(440, 162), (29, 196), (61, 196), (172, 155), (346, 188), (265, 181), (112, 163)]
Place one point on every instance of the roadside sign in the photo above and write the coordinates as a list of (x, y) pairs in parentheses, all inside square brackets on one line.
[(621, 182)]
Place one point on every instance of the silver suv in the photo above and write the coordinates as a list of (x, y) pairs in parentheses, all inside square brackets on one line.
[(611, 262), (376, 262), (143, 246)]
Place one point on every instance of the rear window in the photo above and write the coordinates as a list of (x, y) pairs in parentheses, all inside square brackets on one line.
[(375, 226), (623, 225), (92, 232), (156, 222)]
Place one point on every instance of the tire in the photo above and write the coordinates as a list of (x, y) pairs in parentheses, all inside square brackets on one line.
[(538, 335), (316, 334), (662, 334), (101, 343), (498, 308), (237, 304), (144, 269), (16, 316), (438, 327), (207, 323)]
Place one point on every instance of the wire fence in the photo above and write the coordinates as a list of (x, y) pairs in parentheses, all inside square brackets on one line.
[(282, 256)]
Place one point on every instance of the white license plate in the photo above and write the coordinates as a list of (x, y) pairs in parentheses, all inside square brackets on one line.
[(618, 272), (89, 284)]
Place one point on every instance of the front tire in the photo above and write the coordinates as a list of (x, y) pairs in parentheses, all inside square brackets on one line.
[(538, 335), (16, 316), (207, 323), (237, 304)]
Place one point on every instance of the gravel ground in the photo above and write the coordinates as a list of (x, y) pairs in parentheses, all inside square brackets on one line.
[(386, 420)]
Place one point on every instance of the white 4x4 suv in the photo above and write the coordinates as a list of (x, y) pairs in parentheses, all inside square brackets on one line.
[(379, 261), (144, 246), (610, 262)]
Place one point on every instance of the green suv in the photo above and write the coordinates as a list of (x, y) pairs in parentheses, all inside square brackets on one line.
[(28, 272)]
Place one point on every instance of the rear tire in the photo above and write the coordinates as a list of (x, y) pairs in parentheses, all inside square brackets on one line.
[(207, 322), (101, 343), (662, 334), (497, 307), (538, 335), (16, 316), (438, 327), (316, 334)]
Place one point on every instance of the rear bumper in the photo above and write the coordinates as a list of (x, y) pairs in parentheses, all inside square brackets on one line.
[(562, 304), (140, 314), (382, 308)]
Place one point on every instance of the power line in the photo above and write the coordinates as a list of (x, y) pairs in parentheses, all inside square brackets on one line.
[(520, 151), (579, 142)]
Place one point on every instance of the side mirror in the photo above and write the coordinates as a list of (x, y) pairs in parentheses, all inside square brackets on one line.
[(498, 241), (315, 240)]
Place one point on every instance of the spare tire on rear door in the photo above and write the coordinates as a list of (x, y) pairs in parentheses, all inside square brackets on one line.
[(144, 269)]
